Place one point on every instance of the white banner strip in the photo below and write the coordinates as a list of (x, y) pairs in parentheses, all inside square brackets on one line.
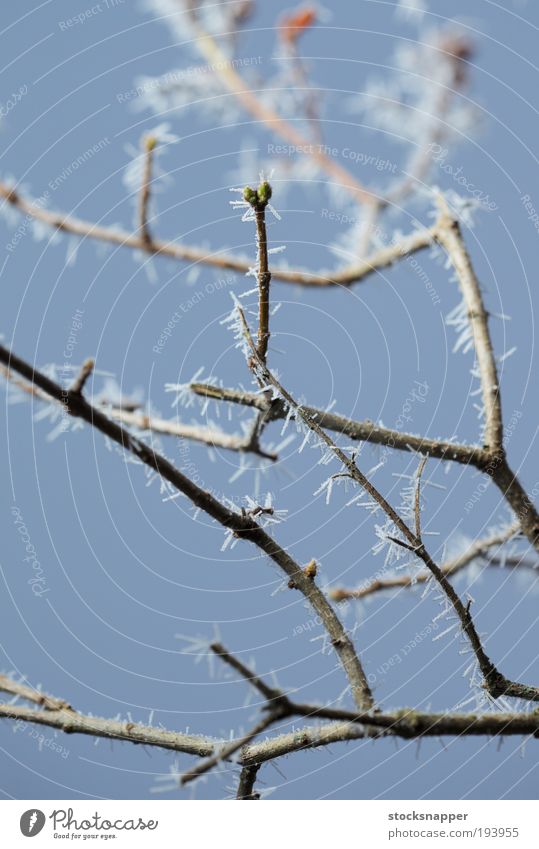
[(265, 825)]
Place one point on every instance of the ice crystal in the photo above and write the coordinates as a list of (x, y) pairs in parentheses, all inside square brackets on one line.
[(411, 10)]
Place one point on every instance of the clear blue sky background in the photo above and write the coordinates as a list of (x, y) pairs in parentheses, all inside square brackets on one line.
[(127, 573)]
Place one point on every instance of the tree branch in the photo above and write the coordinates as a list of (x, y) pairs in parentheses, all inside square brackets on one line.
[(23, 691), (212, 437), (449, 235), (240, 524), (346, 276), (360, 431), (72, 722), (406, 723)]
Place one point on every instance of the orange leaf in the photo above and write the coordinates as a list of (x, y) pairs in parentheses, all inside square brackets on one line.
[(293, 25)]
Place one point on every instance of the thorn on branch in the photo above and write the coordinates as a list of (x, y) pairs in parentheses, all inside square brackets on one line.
[(246, 791), (309, 571), (79, 383)]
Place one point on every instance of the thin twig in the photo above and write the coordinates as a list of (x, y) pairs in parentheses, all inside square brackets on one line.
[(271, 694), (212, 437), (361, 431), (417, 497), (258, 200), (455, 51), (72, 722), (228, 750), (264, 278), (30, 694), (346, 276), (148, 145), (85, 372), (450, 237)]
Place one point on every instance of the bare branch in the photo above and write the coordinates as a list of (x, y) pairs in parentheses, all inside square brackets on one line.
[(23, 691), (205, 435), (417, 497), (450, 237), (241, 524), (455, 51), (407, 724), (259, 199), (167, 427), (361, 431), (271, 694), (72, 722), (346, 276)]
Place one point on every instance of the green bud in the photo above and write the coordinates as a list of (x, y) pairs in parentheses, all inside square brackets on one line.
[(264, 192), (150, 143), (250, 195)]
